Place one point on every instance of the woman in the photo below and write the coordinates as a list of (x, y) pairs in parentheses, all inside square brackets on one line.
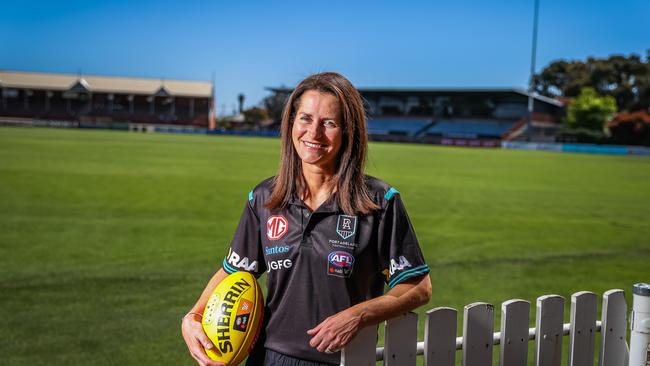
[(326, 235)]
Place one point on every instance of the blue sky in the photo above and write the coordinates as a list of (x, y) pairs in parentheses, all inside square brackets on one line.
[(249, 45)]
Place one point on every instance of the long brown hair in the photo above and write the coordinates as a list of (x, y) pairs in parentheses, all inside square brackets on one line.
[(351, 192)]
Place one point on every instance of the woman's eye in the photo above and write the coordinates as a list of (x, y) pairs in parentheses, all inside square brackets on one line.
[(330, 124)]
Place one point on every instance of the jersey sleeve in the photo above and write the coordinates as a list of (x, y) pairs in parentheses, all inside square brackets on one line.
[(245, 252), (400, 254)]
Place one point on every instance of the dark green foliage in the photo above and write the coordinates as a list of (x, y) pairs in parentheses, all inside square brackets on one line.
[(581, 135), (274, 104), (255, 115), (626, 78)]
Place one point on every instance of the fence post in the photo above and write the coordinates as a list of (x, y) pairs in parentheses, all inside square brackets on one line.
[(440, 337), (548, 330), (515, 315), (640, 326), (361, 350), (478, 328), (401, 340), (613, 330), (582, 335)]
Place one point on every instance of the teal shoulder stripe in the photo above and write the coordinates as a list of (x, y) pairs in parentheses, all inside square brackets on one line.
[(228, 268), (400, 276), (390, 193), (419, 270), (406, 276), (250, 195)]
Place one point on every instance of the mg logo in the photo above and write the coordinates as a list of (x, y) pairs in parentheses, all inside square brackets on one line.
[(276, 227)]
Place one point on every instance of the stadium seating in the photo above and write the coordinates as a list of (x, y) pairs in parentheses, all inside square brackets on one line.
[(397, 126), (469, 128)]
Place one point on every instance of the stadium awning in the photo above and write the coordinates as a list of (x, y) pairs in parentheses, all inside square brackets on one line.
[(104, 84)]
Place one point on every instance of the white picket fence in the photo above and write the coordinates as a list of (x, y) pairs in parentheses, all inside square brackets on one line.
[(440, 342)]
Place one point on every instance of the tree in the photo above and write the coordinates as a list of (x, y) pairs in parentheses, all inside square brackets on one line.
[(590, 111), (274, 105), (255, 115), (626, 78), (240, 99)]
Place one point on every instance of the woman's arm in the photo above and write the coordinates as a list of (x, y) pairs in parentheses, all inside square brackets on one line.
[(339, 329), (191, 328)]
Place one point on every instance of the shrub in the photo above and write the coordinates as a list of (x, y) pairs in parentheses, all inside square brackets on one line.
[(630, 128)]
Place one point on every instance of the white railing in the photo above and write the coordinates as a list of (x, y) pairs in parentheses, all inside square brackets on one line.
[(440, 343)]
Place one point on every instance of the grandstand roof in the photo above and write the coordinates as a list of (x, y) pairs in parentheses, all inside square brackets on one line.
[(443, 91), (104, 84)]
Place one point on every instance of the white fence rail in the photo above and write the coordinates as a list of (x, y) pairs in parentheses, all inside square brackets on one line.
[(441, 342)]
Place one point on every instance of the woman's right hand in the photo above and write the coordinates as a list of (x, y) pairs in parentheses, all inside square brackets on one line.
[(196, 340)]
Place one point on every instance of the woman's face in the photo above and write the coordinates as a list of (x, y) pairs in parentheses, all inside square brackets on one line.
[(317, 134)]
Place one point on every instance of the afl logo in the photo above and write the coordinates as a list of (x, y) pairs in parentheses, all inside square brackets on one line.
[(276, 227), (340, 264), (341, 259)]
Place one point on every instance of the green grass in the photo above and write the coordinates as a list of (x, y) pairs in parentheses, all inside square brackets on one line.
[(106, 238)]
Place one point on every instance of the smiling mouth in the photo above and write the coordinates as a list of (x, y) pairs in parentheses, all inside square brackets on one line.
[(314, 145)]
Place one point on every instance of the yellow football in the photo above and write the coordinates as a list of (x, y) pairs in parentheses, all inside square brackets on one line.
[(232, 318)]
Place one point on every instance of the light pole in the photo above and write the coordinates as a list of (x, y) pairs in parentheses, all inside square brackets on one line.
[(529, 120)]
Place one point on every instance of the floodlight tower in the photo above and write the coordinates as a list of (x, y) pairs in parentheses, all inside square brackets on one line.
[(529, 120)]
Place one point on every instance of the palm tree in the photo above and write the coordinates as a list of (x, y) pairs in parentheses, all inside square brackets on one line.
[(241, 98)]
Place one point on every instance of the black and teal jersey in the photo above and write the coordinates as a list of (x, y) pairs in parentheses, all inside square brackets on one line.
[(318, 263)]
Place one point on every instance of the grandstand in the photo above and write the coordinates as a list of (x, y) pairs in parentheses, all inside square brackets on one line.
[(398, 126), (470, 129), (473, 117), (104, 100)]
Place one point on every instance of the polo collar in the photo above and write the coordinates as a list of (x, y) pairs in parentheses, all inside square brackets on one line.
[(328, 206)]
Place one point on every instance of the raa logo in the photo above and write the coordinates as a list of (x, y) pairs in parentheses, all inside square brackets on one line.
[(276, 227), (395, 266), (346, 226), (241, 262)]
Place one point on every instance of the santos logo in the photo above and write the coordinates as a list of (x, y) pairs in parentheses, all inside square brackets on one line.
[(279, 264), (278, 249)]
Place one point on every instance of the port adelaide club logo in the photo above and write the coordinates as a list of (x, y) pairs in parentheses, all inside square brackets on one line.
[(276, 227), (346, 226), (340, 264)]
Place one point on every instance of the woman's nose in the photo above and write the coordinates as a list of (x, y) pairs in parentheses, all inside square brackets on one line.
[(316, 130)]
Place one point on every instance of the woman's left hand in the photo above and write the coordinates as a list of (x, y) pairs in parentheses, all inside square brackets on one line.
[(335, 332), (338, 330)]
